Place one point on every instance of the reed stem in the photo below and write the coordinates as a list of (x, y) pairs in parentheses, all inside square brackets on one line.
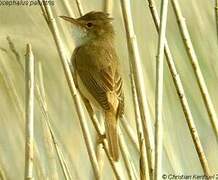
[(159, 92), (135, 62), (79, 7), (115, 166), (2, 174), (216, 17), (30, 81), (17, 102), (131, 171), (52, 140), (143, 162), (130, 132), (108, 6), (180, 90), (196, 67)]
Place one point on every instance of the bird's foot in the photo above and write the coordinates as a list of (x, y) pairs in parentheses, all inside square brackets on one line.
[(101, 138)]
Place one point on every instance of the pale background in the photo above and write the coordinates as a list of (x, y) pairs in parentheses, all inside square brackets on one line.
[(26, 25)]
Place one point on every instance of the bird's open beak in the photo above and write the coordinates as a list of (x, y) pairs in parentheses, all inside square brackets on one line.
[(72, 20)]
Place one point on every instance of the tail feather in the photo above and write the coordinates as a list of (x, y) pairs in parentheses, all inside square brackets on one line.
[(112, 134)]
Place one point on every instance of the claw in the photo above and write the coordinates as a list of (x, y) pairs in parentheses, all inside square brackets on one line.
[(101, 138)]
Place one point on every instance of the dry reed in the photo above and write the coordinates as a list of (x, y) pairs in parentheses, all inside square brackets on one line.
[(68, 8), (135, 62), (14, 95), (2, 175), (216, 16), (52, 140), (40, 95), (108, 6), (131, 171), (79, 7), (180, 91), (29, 116), (159, 92), (100, 157), (14, 51), (196, 67), (143, 163), (130, 132), (47, 135)]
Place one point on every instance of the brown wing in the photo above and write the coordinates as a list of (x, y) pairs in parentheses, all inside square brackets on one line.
[(119, 91), (98, 70)]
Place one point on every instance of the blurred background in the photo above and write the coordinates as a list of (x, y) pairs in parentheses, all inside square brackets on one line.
[(22, 24)]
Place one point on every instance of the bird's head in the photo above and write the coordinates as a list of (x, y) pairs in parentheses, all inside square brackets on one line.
[(94, 24)]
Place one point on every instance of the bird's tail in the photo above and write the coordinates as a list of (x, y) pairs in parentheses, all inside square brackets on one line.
[(112, 134)]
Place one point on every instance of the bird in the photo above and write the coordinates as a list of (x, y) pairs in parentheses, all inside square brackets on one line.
[(97, 71)]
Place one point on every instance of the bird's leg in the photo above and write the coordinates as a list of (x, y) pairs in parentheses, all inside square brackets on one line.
[(101, 138)]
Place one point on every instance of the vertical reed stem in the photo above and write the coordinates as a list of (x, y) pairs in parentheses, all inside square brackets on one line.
[(126, 156), (197, 70), (108, 6), (40, 94), (29, 113), (42, 101), (143, 162), (130, 132), (216, 17), (17, 100), (79, 7), (100, 148), (135, 62), (2, 175), (115, 166), (180, 91), (159, 92), (68, 7)]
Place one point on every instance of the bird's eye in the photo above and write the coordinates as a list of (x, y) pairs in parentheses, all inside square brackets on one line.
[(89, 25)]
